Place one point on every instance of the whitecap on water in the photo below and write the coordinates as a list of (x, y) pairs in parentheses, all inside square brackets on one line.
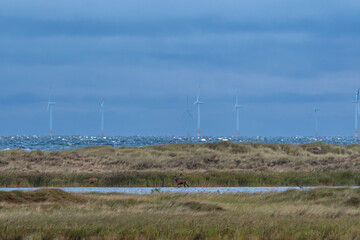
[(46, 143)]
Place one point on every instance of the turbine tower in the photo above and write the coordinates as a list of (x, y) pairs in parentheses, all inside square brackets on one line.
[(102, 108), (357, 113), (198, 103), (188, 117), (50, 109), (237, 110), (316, 110)]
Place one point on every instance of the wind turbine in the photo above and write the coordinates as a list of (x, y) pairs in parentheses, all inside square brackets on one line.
[(50, 109), (357, 112), (102, 108), (316, 110), (237, 110), (188, 117), (198, 103)]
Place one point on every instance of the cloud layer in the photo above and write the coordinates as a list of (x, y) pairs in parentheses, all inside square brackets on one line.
[(282, 58)]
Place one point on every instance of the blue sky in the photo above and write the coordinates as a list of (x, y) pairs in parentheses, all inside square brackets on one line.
[(281, 57)]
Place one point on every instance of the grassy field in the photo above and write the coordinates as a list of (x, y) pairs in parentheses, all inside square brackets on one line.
[(294, 214), (220, 156), (166, 179), (207, 164)]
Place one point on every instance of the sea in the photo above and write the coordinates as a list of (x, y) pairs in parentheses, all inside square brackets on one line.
[(55, 143)]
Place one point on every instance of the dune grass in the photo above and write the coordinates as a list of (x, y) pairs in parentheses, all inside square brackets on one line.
[(294, 214), (207, 164), (42, 195), (185, 157)]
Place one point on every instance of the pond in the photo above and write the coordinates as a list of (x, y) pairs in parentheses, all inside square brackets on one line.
[(148, 190)]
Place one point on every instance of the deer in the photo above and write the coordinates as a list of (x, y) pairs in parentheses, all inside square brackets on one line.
[(181, 182), (91, 180)]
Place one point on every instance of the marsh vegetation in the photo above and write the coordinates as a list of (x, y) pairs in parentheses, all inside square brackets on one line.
[(294, 214), (166, 179), (207, 164), (187, 157)]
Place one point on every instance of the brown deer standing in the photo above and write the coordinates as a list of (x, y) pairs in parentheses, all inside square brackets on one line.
[(300, 186), (181, 182), (91, 180)]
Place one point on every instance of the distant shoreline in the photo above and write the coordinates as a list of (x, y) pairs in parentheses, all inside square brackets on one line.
[(59, 143)]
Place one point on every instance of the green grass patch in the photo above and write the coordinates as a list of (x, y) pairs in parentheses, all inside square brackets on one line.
[(42, 195), (295, 214), (165, 179)]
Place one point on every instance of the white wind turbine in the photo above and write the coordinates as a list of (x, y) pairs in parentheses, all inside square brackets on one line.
[(357, 112), (102, 109), (237, 108), (50, 108), (198, 103), (316, 110)]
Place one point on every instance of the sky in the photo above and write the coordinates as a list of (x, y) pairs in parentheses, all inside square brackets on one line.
[(282, 58)]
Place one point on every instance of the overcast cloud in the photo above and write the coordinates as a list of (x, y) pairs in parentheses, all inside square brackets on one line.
[(282, 58)]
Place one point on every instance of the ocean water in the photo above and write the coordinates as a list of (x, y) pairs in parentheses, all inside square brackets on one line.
[(30, 143)]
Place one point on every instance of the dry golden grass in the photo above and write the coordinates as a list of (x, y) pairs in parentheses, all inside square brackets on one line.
[(310, 214), (221, 156)]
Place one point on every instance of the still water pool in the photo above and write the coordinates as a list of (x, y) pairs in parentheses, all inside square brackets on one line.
[(149, 190)]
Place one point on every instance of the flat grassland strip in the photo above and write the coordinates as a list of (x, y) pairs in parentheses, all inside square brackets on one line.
[(166, 179), (294, 214), (207, 164)]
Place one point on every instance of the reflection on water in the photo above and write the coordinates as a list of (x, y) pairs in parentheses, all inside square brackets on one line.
[(149, 190)]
